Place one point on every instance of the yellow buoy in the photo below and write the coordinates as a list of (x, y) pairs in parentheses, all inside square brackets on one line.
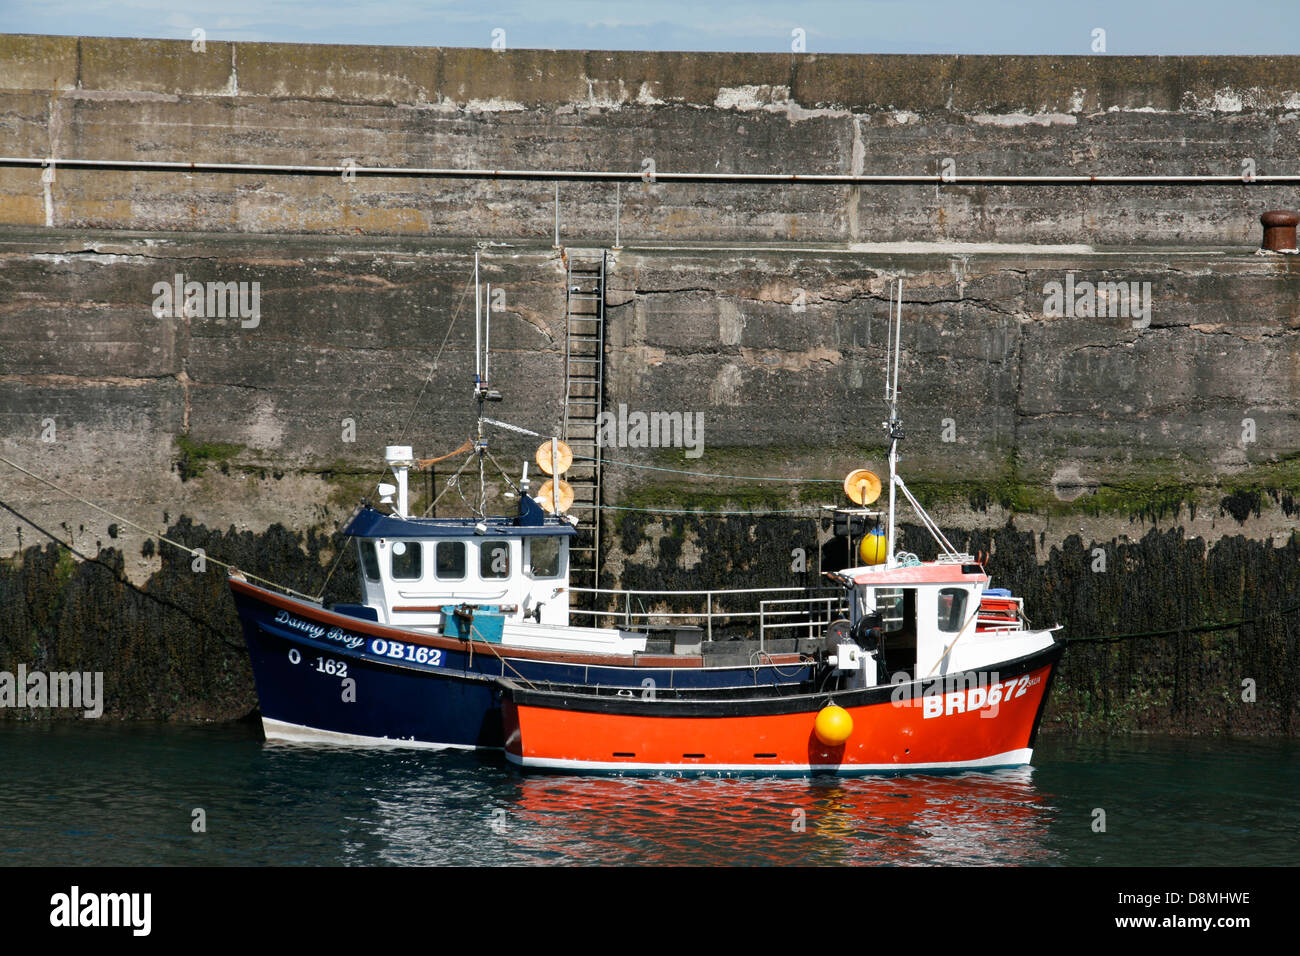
[(833, 725), (874, 548)]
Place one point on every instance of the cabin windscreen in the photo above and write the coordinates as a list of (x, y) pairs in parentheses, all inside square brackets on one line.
[(543, 558), (952, 609), (370, 560)]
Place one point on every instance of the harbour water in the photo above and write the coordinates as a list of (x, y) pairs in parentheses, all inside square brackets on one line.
[(90, 793)]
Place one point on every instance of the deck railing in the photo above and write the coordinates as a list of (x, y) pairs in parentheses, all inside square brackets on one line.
[(718, 604), (814, 613)]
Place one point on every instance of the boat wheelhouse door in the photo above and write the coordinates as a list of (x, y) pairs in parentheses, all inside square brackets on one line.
[(546, 569), (897, 609), (885, 619), (372, 585)]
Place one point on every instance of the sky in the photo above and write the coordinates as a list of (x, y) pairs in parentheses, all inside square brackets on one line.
[(1130, 27)]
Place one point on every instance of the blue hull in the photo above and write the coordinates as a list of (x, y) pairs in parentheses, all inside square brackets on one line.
[(323, 675)]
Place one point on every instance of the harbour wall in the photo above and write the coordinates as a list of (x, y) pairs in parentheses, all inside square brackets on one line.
[(1133, 472), (165, 100)]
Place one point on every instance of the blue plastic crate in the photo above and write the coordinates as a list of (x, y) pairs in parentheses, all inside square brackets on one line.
[(482, 622)]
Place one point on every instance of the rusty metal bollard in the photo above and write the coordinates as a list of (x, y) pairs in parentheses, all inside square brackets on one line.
[(1279, 230)]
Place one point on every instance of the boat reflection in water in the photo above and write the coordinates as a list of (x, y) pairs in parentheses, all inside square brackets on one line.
[(993, 817), (397, 806)]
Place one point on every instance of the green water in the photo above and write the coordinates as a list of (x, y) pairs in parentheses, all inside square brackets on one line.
[(96, 793)]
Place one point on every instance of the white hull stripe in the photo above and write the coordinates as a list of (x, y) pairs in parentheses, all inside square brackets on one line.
[(1012, 758), (282, 732)]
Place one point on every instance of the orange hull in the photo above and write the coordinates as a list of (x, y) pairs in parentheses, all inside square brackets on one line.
[(911, 727)]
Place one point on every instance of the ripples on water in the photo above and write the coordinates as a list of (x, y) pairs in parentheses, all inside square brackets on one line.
[(105, 794)]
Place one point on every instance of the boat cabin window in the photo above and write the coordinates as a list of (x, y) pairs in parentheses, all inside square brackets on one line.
[(449, 561), (543, 556), (952, 609), (408, 560), (370, 560), (494, 560)]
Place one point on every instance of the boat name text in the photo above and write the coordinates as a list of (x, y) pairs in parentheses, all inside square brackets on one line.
[(319, 631)]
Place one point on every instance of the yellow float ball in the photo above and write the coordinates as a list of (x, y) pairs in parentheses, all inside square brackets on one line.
[(873, 549), (833, 725)]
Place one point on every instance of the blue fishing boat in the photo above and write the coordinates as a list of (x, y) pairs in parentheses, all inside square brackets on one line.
[(452, 604)]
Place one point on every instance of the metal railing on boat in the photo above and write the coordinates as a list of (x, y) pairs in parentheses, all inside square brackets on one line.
[(803, 608), (831, 597)]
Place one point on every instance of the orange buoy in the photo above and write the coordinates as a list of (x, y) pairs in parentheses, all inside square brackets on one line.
[(862, 486), (546, 495)]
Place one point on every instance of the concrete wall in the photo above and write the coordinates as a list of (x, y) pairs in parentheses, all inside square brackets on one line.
[(780, 354), (318, 105)]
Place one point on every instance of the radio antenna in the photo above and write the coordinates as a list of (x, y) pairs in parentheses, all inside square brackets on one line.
[(894, 426)]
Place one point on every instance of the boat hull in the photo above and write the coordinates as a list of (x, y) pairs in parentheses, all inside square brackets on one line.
[(324, 677), (921, 726)]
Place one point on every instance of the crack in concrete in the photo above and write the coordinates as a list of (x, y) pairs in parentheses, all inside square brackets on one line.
[(95, 253), (1254, 335), (681, 291), (986, 304), (536, 324), (1103, 347)]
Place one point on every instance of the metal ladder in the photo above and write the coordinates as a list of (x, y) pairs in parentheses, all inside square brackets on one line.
[(584, 379)]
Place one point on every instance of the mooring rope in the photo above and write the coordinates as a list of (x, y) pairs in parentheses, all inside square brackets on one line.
[(474, 630), (447, 486), (1193, 629), (119, 576), (434, 367), (153, 534), (810, 512), (334, 565), (708, 474), (515, 488)]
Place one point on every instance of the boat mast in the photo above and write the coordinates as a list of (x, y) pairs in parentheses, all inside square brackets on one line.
[(482, 391), (480, 388), (893, 427), (478, 327)]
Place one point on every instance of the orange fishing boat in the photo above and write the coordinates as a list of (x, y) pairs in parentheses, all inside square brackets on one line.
[(932, 670)]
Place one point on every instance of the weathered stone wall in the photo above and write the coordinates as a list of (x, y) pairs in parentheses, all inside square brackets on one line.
[(1043, 438), (780, 354), (120, 99)]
